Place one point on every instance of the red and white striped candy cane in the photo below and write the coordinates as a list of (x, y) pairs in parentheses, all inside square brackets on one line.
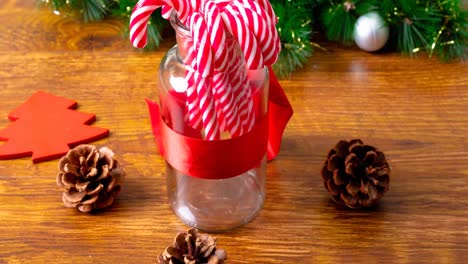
[(237, 72), (217, 34), (166, 11), (142, 12), (211, 97), (263, 29), (270, 13), (265, 14), (225, 104), (203, 70), (183, 8), (270, 53), (139, 21), (244, 36), (228, 117), (193, 102), (207, 108), (253, 57), (270, 24)]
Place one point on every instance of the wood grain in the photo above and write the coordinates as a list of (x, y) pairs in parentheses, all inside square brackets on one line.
[(415, 110)]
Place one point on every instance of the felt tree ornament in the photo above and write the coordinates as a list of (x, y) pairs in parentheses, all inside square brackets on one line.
[(44, 127)]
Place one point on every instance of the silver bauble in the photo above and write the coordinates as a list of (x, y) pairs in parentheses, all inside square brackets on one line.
[(370, 32)]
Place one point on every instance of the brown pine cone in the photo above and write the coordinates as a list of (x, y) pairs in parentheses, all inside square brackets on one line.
[(355, 174), (91, 178), (193, 247)]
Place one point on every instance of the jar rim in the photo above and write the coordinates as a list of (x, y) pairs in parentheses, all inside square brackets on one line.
[(177, 24)]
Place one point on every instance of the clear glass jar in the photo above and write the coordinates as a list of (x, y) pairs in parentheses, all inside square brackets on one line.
[(208, 204)]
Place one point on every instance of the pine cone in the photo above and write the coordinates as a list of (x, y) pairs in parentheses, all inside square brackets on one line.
[(193, 247), (91, 178), (355, 174)]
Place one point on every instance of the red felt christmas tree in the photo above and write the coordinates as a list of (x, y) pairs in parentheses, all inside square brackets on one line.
[(45, 126)]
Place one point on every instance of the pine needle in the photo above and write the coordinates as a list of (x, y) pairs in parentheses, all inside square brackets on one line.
[(295, 30)]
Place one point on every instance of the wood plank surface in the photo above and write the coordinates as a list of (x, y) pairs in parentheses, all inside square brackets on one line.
[(415, 110)]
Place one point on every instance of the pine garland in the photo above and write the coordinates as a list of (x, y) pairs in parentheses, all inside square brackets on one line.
[(436, 27), (156, 23), (90, 10), (294, 28)]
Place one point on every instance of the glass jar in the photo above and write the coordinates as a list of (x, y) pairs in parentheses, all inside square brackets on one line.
[(208, 204)]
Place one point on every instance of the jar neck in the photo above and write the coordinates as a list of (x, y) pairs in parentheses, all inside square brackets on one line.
[(183, 35), (185, 42)]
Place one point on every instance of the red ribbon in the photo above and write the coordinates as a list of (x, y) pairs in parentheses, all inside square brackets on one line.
[(279, 113), (224, 158)]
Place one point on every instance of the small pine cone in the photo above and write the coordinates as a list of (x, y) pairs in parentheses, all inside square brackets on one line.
[(91, 178), (356, 175), (193, 247)]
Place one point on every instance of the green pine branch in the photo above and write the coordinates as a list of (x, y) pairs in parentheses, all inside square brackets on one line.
[(450, 41), (339, 18), (412, 24), (155, 25), (95, 10), (88, 10), (295, 31), (436, 27)]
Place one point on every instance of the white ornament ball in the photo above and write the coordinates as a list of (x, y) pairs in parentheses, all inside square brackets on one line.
[(370, 32)]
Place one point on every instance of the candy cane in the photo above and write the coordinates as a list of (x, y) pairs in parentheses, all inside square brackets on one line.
[(226, 105), (228, 116), (270, 22), (240, 84), (204, 68), (244, 36), (139, 21), (183, 8), (262, 28), (217, 34), (166, 11), (270, 13), (218, 93), (194, 115), (254, 60)]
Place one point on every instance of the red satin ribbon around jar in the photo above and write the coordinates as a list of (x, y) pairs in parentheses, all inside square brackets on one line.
[(222, 159)]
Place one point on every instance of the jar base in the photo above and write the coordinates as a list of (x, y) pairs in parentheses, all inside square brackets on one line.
[(218, 205)]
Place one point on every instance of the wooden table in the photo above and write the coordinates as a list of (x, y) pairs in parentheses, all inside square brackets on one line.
[(415, 110)]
